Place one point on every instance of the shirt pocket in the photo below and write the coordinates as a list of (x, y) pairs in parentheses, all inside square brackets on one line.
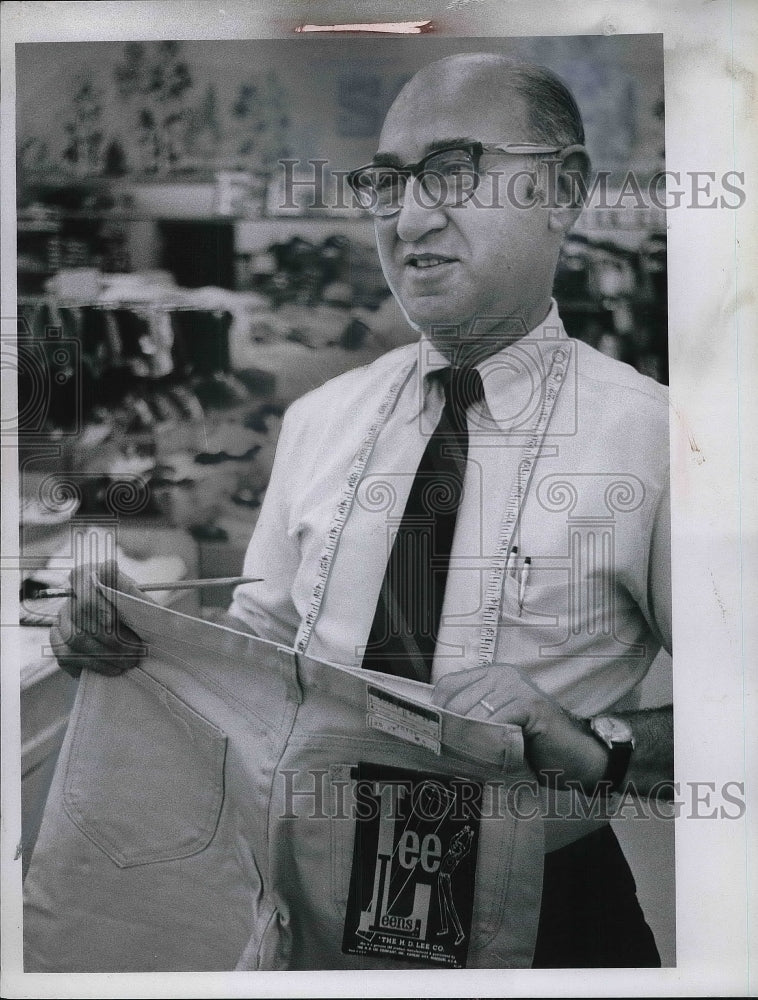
[(143, 791), (533, 619)]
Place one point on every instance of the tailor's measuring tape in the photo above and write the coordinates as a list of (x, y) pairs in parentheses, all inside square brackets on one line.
[(344, 506), (527, 461)]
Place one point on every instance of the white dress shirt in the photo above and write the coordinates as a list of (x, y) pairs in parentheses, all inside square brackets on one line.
[(593, 611)]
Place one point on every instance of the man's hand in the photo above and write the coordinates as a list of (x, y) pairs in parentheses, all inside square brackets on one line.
[(560, 748), (89, 634)]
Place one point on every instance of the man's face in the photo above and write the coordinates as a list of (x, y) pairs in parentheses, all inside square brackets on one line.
[(451, 265)]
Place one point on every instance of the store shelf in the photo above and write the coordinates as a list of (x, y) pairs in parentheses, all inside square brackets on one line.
[(55, 181), (39, 226)]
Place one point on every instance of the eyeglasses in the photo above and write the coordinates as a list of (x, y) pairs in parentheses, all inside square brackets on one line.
[(448, 176)]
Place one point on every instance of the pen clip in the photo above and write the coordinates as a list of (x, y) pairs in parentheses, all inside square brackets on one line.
[(511, 561), (523, 580)]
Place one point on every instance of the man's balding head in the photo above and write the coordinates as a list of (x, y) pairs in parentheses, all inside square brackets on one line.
[(547, 107)]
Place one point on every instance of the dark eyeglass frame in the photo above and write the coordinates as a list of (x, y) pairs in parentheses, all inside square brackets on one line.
[(474, 149)]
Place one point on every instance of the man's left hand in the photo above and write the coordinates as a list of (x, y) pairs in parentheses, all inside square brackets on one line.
[(559, 747)]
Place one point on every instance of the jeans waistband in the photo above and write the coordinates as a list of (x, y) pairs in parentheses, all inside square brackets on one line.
[(393, 701)]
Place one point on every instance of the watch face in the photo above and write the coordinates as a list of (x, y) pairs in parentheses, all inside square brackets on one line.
[(612, 730)]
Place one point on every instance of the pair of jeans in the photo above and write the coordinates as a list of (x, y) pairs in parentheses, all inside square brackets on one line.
[(193, 820)]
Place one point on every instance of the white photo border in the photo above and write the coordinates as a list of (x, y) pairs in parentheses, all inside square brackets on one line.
[(711, 71)]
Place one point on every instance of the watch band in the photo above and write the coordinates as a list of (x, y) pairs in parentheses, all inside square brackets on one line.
[(617, 736), (619, 755)]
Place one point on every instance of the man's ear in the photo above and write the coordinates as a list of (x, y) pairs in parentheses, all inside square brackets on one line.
[(569, 174)]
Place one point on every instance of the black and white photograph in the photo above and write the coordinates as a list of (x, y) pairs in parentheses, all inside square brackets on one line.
[(376, 546)]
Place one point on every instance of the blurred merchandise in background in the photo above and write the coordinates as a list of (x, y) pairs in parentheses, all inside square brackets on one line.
[(188, 263)]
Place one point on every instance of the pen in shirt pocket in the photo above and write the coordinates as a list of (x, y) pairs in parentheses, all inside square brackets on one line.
[(511, 561), (523, 581)]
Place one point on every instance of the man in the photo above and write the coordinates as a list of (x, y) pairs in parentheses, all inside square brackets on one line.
[(543, 594)]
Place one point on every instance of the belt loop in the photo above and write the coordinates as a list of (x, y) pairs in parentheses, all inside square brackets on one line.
[(288, 659)]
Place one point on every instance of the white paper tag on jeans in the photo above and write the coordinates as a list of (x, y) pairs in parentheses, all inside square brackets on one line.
[(408, 721)]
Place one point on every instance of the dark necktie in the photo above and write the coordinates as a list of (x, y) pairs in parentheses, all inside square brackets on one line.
[(404, 631)]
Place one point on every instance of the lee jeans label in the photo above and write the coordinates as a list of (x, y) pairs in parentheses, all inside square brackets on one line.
[(414, 864)]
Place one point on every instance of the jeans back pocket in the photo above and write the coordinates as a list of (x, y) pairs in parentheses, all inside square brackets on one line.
[(145, 775)]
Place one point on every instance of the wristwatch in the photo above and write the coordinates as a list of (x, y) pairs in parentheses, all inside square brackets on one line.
[(617, 735)]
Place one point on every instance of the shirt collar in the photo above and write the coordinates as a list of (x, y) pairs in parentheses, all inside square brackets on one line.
[(511, 373)]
